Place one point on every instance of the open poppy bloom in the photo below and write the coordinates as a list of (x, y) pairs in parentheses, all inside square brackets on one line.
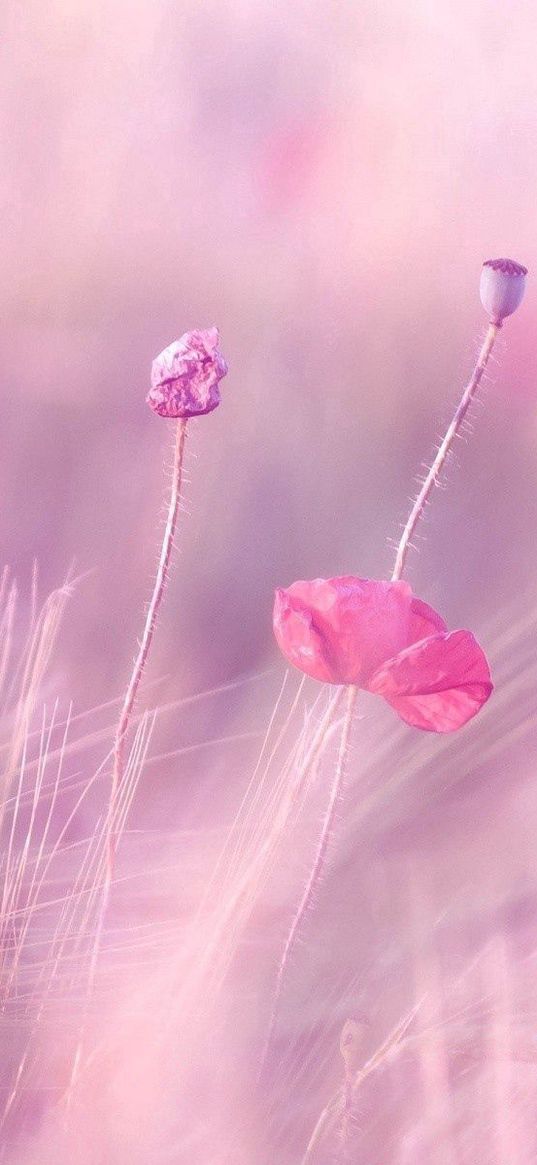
[(378, 636)]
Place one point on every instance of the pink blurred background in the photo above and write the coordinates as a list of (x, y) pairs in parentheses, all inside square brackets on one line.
[(322, 182)]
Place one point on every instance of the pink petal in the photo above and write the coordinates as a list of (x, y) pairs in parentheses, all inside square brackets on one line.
[(359, 623), (437, 684), (298, 638), (424, 621)]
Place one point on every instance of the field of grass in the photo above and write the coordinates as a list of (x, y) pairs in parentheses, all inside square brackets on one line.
[(248, 917)]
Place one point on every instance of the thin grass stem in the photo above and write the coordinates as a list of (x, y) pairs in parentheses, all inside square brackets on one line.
[(317, 868)]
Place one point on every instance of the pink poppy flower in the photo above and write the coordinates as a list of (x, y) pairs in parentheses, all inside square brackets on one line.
[(185, 377), (378, 636)]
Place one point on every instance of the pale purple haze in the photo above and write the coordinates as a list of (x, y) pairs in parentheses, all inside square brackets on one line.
[(323, 182)]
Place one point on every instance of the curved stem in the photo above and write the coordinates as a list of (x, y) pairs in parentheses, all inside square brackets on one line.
[(146, 640), (316, 871), (118, 770), (415, 515), (436, 468)]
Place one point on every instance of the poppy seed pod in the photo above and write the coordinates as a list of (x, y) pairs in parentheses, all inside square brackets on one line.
[(502, 287)]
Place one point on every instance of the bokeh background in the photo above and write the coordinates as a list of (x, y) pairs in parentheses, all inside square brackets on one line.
[(323, 182)]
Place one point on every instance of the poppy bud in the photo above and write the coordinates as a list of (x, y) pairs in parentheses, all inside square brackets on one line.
[(185, 377), (502, 287)]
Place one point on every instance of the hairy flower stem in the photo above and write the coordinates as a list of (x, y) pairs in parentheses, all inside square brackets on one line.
[(145, 643), (415, 515), (118, 770), (453, 429)]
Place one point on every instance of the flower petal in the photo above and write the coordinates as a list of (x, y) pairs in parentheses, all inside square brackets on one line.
[(437, 684), (424, 621), (358, 623), (298, 638)]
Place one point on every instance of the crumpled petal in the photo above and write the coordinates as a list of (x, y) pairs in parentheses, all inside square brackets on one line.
[(186, 375), (437, 684), (344, 628)]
